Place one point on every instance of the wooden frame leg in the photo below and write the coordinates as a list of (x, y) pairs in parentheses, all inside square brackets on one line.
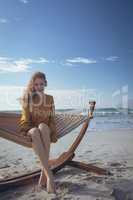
[(88, 167)]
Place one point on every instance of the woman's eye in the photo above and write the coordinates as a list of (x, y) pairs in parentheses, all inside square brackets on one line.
[(41, 84)]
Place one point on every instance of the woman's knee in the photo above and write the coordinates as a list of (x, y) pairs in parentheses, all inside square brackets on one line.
[(34, 132), (44, 127)]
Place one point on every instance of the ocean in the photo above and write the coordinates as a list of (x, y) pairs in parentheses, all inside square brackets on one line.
[(104, 118), (110, 119)]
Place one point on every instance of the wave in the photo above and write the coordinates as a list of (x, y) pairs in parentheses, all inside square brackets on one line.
[(99, 112), (107, 112)]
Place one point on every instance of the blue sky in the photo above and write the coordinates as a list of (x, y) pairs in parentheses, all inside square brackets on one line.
[(79, 44)]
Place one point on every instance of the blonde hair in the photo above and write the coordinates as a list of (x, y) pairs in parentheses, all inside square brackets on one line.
[(29, 91)]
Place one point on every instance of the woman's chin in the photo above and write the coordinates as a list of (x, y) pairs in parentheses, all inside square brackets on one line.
[(40, 91)]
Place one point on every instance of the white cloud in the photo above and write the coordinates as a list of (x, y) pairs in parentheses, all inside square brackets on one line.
[(24, 1), (66, 64), (112, 58), (4, 20), (84, 60), (18, 65), (81, 60)]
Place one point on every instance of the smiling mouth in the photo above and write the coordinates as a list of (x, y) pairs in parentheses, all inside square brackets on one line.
[(40, 90)]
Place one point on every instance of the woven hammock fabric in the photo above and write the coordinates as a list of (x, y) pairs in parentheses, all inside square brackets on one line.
[(65, 123)]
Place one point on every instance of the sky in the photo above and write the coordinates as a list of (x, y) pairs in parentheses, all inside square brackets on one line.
[(85, 48)]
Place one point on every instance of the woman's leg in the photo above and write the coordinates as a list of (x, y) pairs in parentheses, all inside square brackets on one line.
[(40, 150), (45, 135)]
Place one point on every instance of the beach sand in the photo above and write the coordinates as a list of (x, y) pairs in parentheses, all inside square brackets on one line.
[(112, 150)]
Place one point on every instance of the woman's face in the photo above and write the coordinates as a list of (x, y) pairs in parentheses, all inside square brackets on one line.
[(39, 85)]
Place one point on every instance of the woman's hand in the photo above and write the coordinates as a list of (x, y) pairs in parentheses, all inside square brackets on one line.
[(26, 136), (23, 133)]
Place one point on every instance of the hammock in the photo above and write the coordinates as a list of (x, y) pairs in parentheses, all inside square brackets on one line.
[(65, 123)]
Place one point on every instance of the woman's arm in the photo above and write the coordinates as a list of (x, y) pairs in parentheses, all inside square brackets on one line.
[(25, 122), (52, 122)]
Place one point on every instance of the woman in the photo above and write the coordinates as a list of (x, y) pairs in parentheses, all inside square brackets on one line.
[(38, 124)]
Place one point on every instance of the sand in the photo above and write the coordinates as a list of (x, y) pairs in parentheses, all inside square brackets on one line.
[(112, 150)]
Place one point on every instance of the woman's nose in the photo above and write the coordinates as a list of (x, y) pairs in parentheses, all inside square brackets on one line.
[(39, 88)]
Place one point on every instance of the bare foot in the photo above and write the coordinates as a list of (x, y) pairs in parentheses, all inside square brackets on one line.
[(42, 180), (51, 186)]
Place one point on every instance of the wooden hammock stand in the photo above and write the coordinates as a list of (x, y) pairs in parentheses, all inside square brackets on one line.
[(66, 158)]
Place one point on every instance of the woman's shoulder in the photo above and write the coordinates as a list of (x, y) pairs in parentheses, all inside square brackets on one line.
[(49, 98)]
